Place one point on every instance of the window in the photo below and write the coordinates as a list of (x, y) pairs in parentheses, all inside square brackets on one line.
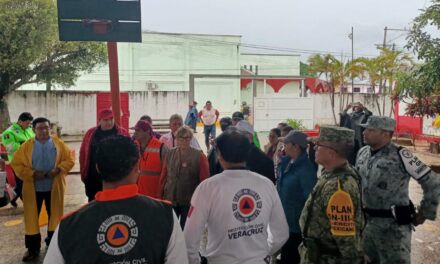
[(356, 90)]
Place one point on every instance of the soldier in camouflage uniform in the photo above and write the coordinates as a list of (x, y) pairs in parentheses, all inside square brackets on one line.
[(385, 170), (331, 231)]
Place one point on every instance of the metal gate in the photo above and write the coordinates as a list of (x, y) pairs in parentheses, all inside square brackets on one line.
[(269, 111)]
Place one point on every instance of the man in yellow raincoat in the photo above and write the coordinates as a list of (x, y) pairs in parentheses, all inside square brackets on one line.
[(42, 163)]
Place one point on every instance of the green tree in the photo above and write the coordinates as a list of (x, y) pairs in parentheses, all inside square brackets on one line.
[(381, 72), (391, 62), (372, 69), (304, 70), (31, 52), (423, 81), (336, 74)]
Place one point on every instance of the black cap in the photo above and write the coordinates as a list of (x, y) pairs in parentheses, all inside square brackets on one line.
[(238, 115)]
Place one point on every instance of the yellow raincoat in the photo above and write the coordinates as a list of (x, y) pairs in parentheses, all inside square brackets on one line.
[(436, 122), (22, 165)]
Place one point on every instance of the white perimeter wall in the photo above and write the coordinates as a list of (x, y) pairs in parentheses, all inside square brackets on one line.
[(158, 105), (76, 111)]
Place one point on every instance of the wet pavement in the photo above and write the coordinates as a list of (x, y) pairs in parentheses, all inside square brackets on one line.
[(425, 240)]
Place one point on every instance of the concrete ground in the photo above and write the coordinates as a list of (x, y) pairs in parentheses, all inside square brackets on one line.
[(425, 241)]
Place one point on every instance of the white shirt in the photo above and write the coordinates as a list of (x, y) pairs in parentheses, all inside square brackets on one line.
[(244, 216), (209, 117), (167, 139), (176, 251)]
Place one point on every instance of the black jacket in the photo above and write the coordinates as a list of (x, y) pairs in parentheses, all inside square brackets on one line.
[(256, 161), (260, 163)]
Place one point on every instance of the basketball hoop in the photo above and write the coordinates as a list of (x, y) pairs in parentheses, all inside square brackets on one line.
[(100, 27)]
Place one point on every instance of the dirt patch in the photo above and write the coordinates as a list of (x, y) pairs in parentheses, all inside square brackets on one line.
[(404, 142)]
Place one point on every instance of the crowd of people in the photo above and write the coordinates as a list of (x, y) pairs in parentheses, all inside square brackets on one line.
[(154, 198)]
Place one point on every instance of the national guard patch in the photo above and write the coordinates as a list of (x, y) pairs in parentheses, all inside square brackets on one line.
[(340, 212), (415, 167)]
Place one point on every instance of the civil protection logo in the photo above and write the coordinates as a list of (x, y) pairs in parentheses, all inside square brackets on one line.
[(117, 235), (246, 205)]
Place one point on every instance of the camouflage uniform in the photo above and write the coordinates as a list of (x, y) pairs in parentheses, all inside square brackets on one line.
[(385, 180), (320, 245)]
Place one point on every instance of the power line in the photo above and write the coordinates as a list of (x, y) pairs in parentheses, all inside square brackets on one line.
[(258, 46), (399, 36)]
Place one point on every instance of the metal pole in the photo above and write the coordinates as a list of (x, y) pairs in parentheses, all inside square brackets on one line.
[(112, 50), (254, 93), (352, 59), (385, 37), (191, 89)]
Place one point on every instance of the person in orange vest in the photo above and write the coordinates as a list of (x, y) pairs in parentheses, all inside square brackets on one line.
[(152, 153)]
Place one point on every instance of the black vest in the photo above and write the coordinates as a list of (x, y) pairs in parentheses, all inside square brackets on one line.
[(132, 230)]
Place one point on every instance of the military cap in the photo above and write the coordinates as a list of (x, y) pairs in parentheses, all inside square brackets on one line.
[(380, 122), (335, 136)]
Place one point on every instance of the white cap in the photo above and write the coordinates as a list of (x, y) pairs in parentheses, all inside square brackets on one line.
[(244, 126)]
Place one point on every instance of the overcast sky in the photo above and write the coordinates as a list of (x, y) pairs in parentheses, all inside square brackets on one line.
[(319, 25)]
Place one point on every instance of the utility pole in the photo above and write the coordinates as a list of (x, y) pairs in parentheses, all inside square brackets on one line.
[(352, 59), (385, 37), (351, 37)]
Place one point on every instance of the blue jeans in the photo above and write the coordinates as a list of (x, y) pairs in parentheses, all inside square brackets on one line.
[(209, 131)]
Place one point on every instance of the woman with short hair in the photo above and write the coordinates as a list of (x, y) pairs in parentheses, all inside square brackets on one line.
[(184, 168)]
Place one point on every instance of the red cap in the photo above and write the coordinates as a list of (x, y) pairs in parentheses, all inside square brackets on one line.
[(142, 125), (105, 114)]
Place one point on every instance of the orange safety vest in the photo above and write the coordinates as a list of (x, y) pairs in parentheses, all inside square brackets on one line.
[(150, 166)]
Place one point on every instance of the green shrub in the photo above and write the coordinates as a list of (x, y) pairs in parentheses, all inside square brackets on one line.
[(296, 124)]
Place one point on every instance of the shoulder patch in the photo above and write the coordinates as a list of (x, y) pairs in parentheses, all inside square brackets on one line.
[(415, 167), (341, 213)]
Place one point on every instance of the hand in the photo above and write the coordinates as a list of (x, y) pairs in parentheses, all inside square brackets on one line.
[(39, 175), (54, 172), (419, 219), (346, 108)]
